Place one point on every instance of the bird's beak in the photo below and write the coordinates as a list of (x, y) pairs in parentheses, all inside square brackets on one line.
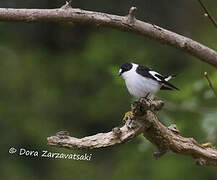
[(120, 72)]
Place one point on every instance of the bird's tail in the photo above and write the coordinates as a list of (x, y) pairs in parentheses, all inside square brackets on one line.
[(170, 77), (167, 85)]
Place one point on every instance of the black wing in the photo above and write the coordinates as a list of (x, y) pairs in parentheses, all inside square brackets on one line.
[(145, 72), (166, 85), (163, 87)]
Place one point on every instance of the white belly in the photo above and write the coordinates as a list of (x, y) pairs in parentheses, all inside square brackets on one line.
[(139, 86)]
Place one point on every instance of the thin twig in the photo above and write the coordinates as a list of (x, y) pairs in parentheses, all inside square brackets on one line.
[(210, 83), (207, 13)]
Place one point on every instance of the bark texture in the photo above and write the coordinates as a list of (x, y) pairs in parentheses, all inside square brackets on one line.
[(142, 120), (123, 23)]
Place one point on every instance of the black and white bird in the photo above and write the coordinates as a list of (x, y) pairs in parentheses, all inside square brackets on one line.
[(142, 81)]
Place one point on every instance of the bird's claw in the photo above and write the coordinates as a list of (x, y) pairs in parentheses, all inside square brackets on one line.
[(148, 98)]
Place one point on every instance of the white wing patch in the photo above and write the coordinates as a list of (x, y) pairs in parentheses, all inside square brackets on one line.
[(168, 78), (153, 73)]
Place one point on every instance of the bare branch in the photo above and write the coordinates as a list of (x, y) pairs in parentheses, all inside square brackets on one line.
[(207, 13), (96, 141), (142, 119), (210, 83), (121, 23)]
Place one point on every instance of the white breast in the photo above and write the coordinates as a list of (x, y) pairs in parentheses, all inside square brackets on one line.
[(138, 85)]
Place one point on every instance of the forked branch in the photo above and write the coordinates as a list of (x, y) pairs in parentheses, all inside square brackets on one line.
[(142, 120)]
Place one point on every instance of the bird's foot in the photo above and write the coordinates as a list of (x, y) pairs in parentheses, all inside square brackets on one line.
[(207, 145), (148, 97), (128, 115), (144, 99)]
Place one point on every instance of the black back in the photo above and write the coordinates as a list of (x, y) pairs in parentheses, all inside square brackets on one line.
[(144, 71)]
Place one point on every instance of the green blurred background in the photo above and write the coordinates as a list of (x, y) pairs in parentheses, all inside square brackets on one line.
[(57, 77)]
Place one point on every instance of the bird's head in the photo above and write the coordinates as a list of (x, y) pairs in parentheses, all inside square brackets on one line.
[(125, 67)]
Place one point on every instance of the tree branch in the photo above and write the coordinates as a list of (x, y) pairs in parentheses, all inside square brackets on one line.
[(210, 83), (117, 22), (142, 119), (207, 13)]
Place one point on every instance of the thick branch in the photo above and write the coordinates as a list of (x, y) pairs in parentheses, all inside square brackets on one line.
[(116, 136), (142, 119), (118, 22)]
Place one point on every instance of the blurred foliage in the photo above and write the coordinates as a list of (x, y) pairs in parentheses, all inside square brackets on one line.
[(56, 77)]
